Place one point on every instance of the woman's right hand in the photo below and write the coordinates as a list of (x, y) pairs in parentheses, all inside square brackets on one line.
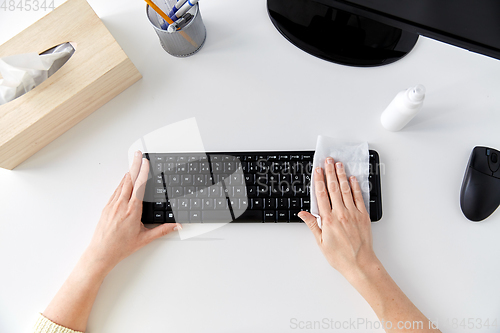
[(345, 237)]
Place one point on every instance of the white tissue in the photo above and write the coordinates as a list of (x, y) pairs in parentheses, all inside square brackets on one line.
[(23, 72), (354, 156)]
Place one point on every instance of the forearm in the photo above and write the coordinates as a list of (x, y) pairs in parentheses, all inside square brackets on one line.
[(388, 301), (73, 302)]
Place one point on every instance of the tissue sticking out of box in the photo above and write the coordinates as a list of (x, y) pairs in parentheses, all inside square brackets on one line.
[(23, 72)]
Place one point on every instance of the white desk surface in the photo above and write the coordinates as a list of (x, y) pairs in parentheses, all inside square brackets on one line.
[(250, 89)]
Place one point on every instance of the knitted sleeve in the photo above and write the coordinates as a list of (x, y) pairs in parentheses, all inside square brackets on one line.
[(44, 325)]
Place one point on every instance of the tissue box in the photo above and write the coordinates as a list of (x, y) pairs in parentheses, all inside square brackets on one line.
[(98, 71)]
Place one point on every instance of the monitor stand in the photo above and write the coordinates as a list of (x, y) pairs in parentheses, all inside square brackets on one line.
[(339, 36)]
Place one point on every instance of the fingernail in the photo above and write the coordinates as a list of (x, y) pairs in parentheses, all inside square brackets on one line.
[(329, 160), (339, 165), (138, 153), (352, 178), (318, 170), (178, 227)]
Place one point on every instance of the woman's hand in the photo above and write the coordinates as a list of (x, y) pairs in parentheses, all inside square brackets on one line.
[(120, 231), (345, 237)]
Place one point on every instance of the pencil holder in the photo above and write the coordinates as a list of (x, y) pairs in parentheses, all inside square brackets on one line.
[(183, 42)]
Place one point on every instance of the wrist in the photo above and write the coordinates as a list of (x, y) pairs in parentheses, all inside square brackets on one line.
[(94, 265), (367, 270)]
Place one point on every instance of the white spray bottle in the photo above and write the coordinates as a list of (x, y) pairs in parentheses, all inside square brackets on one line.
[(403, 108)]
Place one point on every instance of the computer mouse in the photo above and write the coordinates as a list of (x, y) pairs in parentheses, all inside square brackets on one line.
[(480, 193)]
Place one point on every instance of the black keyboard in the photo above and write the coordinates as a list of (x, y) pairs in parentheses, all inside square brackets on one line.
[(236, 187)]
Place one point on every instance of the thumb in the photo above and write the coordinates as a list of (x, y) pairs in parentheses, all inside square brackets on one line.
[(162, 230), (312, 223)]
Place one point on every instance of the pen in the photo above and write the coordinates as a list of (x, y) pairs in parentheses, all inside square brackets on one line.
[(169, 21), (187, 6), (177, 6)]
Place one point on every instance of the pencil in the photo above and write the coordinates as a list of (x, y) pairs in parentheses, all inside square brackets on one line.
[(169, 21)]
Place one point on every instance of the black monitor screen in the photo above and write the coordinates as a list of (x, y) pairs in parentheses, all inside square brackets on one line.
[(475, 22), (378, 32)]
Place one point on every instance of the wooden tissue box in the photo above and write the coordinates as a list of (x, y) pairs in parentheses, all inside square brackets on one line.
[(98, 71)]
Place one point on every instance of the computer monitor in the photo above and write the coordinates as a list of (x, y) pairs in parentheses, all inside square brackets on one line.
[(379, 32)]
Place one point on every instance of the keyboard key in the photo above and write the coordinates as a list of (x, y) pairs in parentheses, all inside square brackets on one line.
[(204, 167), (195, 204), (251, 191), (181, 216), (249, 179), (183, 204), (272, 157), (215, 191), (250, 216), (176, 192), (256, 203), (221, 203), (263, 191), (194, 216), (181, 168), (269, 216), (189, 190), (270, 203), (282, 216), (169, 217), (294, 203), (236, 179), (239, 191), (216, 216), (159, 216), (244, 203), (294, 217), (160, 191), (193, 167), (306, 203), (208, 204), (174, 180), (187, 180), (282, 203), (159, 205), (202, 192)]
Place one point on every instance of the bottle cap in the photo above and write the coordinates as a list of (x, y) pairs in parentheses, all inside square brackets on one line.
[(417, 94)]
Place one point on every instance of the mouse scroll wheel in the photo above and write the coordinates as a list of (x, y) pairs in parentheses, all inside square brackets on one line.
[(494, 158)]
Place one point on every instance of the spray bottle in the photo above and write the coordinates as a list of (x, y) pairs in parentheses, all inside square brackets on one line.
[(403, 108)]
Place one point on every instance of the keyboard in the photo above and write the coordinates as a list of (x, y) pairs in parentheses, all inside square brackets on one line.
[(269, 187)]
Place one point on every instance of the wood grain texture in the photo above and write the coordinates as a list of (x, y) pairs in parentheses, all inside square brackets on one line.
[(98, 71)]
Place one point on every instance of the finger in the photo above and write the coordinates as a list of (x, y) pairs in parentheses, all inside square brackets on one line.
[(117, 191), (357, 194), (161, 230), (312, 223), (136, 166), (321, 194), (345, 188), (126, 189), (142, 178), (333, 185)]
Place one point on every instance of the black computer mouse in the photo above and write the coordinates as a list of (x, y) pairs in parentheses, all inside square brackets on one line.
[(480, 193)]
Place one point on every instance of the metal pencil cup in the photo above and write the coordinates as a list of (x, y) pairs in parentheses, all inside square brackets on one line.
[(184, 42)]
